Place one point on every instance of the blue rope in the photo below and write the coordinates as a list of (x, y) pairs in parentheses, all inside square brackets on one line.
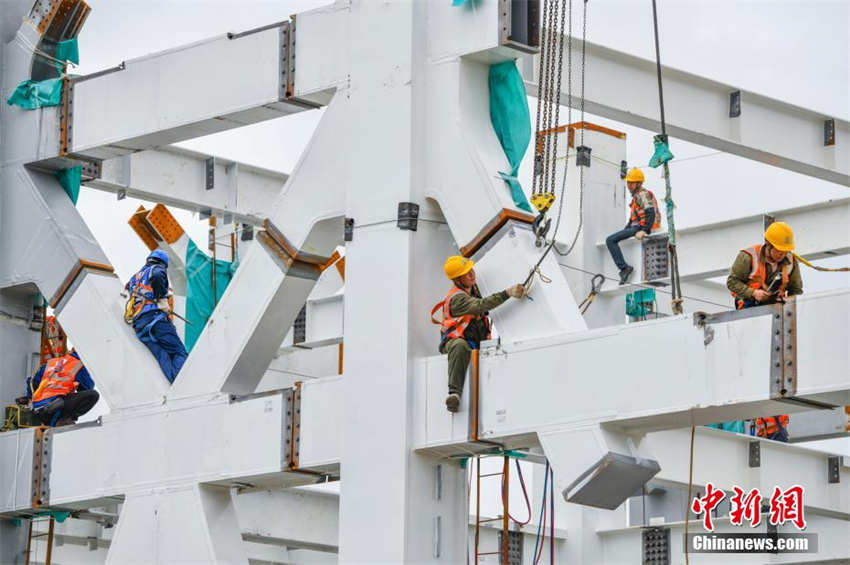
[(542, 507)]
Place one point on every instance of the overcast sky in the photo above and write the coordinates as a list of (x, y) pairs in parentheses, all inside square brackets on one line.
[(793, 51)]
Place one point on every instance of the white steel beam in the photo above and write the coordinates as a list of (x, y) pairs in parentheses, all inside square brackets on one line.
[(697, 110), (188, 436), (714, 373), (179, 177), (778, 463), (178, 94)]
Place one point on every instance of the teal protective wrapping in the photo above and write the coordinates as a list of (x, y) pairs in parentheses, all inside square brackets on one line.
[(662, 152), (638, 302), (70, 180), (31, 95), (511, 121), (737, 426), (68, 50), (199, 292)]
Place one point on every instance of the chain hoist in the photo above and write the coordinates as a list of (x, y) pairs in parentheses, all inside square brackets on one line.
[(550, 70)]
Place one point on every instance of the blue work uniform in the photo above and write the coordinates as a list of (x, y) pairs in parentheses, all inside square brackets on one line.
[(73, 405), (153, 326)]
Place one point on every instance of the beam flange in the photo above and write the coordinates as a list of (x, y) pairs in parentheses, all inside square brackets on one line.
[(697, 110)]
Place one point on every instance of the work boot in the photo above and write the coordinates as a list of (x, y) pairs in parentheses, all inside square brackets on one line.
[(453, 402), (625, 274), (66, 422)]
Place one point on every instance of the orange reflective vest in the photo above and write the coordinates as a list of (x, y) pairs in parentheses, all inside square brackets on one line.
[(454, 326), (53, 340), (59, 378), (770, 425), (758, 271), (638, 214)]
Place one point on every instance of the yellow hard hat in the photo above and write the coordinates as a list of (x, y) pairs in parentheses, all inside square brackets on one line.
[(780, 236), (635, 175), (457, 266)]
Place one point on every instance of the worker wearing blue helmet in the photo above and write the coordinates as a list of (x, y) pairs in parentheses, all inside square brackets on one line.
[(149, 309)]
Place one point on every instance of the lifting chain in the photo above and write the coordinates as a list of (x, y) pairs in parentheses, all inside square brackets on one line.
[(550, 70)]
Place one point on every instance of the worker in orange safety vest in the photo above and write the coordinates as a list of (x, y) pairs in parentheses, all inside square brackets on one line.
[(766, 273), (465, 322), (773, 427), (644, 218), (61, 390)]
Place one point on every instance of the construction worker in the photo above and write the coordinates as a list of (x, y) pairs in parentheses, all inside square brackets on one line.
[(773, 427), (644, 217), (766, 273), (61, 391), (149, 308), (465, 323)]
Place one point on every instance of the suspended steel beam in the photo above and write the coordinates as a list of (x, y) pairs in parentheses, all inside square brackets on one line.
[(182, 93), (710, 113), (192, 181)]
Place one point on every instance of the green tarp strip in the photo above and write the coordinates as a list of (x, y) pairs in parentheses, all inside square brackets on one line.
[(737, 426), (662, 153), (70, 181), (511, 121), (199, 292), (637, 303), (31, 95), (68, 50)]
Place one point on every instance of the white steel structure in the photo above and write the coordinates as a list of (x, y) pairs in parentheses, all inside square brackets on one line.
[(209, 469)]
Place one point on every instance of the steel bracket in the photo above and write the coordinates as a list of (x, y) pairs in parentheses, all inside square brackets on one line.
[(833, 464), (294, 427), (247, 232), (624, 169), (408, 216), (655, 546), (287, 60), (755, 454), (583, 156), (66, 117), (286, 448), (783, 354), (209, 173), (735, 104), (656, 259), (90, 170), (299, 326), (829, 132), (41, 457), (349, 229)]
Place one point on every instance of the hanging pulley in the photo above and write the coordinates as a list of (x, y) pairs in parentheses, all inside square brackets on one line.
[(540, 226)]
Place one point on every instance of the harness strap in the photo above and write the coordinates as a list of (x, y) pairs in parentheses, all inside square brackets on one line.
[(145, 333)]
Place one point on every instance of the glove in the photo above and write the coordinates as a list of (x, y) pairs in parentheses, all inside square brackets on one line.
[(162, 304), (640, 235), (516, 291)]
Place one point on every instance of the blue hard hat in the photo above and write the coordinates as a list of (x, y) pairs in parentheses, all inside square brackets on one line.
[(159, 254)]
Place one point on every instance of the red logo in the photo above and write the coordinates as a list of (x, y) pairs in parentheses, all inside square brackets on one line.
[(704, 505), (785, 506), (745, 507)]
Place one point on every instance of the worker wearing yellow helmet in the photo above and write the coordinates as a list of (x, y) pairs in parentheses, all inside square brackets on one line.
[(644, 217), (766, 273), (465, 322)]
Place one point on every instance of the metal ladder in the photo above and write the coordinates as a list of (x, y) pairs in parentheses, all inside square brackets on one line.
[(31, 537), (504, 550)]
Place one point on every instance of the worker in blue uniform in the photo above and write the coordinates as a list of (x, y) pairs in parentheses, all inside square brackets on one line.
[(61, 390), (149, 309)]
